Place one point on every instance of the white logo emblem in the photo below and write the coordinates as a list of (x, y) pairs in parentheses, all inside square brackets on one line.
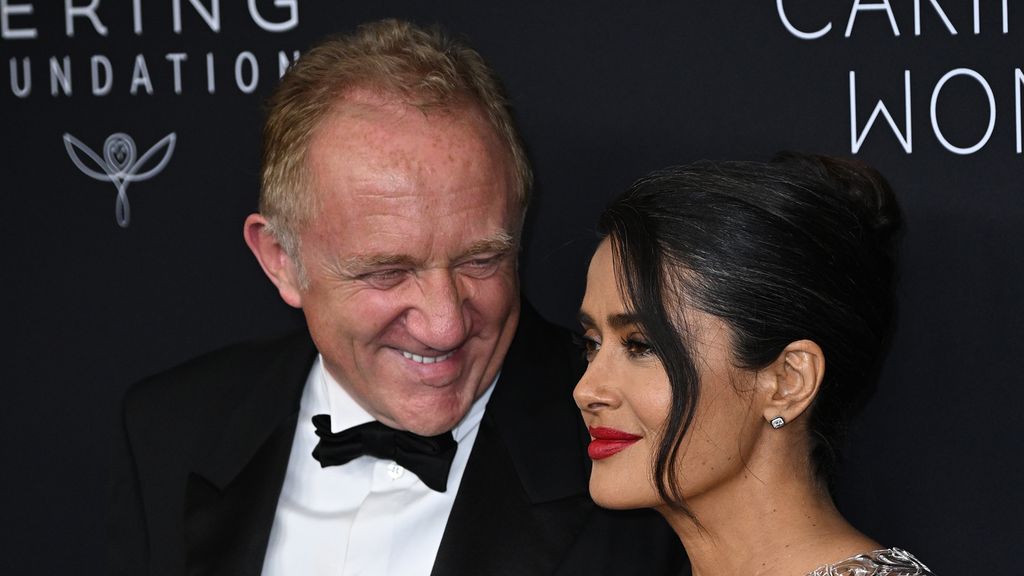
[(120, 165)]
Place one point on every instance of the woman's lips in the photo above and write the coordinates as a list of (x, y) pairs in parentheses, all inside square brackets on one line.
[(607, 442)]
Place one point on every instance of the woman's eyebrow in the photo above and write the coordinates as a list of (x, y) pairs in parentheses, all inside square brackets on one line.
[(617, 321), (623, 320), (584, 318)]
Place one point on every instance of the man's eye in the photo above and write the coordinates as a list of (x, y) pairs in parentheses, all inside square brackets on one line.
[(383, 279), (481, 267)]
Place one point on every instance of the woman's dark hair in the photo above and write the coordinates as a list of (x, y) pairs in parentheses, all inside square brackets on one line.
[(798, 248)]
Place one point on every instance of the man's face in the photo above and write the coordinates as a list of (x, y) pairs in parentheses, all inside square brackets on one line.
[(411, 293)]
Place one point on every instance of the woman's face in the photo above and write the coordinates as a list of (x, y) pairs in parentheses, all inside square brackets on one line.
[(625, 399)]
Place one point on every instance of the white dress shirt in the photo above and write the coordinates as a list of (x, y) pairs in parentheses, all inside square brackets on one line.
[(368, 517)]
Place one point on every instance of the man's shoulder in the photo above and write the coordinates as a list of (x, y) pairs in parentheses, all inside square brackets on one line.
[(544, 364), (539, 341), (220, 373)]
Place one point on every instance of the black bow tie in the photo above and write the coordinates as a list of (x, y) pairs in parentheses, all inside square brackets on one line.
[(429, 457)]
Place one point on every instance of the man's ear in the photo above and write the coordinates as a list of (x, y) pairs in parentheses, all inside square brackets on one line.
[(277, 264), (792, 381)]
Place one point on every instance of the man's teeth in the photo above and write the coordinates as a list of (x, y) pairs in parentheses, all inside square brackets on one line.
[(427, 359)]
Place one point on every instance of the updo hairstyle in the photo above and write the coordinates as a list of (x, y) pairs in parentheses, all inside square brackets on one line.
[(801, 247)]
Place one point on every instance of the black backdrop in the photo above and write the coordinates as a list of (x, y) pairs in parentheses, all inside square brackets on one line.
[(604, 92)]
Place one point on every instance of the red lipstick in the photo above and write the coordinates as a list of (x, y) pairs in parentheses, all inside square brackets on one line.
[(607, 442)]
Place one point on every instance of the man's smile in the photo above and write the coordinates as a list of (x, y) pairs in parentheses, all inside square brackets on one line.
[(427, 359)]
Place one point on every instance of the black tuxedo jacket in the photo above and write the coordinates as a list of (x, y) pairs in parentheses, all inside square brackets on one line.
[(206, 445)]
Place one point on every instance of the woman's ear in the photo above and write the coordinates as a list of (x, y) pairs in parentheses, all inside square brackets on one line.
[(791, 382)]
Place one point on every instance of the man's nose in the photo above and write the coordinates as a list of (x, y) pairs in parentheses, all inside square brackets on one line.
[(438, 318)]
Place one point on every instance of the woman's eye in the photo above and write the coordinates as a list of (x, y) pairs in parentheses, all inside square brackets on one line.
[(637, 348), (588, 346)]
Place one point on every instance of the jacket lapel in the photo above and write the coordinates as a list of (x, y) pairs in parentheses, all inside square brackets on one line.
[(494, 529), (523, 499), (231, 495), (521, 504)]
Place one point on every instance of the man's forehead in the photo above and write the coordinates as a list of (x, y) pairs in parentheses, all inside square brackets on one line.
[(371, 143), (361, 100), (383, 111)]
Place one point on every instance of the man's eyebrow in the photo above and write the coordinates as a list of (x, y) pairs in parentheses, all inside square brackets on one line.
[(365, 261), (499, 243)]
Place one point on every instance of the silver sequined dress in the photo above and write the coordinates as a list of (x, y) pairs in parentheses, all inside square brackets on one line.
[(891, 562)]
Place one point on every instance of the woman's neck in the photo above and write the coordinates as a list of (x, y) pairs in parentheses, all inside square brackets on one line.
[(777, 522)]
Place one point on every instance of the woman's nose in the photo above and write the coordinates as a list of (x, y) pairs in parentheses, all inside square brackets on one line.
[(592, 392)]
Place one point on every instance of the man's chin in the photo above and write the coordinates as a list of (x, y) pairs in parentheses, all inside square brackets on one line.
[(431, 427), (434, 417)]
